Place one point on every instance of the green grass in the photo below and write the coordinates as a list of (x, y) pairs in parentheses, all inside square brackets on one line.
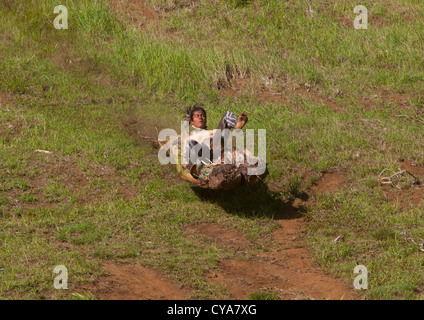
[(73, 92)]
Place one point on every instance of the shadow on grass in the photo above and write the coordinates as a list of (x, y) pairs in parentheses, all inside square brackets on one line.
[(255, 201)]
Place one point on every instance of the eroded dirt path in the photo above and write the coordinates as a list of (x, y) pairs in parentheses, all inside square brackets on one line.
[(135, 282), (287, 269)]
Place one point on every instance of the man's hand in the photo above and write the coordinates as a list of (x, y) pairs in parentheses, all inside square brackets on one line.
[(241, 121)]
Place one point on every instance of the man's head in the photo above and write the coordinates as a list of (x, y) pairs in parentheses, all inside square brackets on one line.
[(198, 117)]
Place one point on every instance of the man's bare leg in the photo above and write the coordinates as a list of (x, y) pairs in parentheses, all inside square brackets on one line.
[(241, 121)]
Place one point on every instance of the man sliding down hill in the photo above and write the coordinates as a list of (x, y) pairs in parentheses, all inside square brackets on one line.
[(197, 118), (227, 166)]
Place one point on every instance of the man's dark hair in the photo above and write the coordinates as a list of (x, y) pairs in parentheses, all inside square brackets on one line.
[(196, 108)]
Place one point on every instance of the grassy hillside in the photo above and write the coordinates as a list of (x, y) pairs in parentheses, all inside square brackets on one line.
[(332, 99)]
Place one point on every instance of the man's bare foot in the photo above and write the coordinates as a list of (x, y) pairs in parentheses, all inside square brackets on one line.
[(241, 121)]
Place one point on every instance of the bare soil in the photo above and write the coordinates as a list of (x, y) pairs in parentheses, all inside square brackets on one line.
[(135, 282), (228, 238), (287, 269), (135, 10), (330, 181), (4, 99), (321, 99)]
